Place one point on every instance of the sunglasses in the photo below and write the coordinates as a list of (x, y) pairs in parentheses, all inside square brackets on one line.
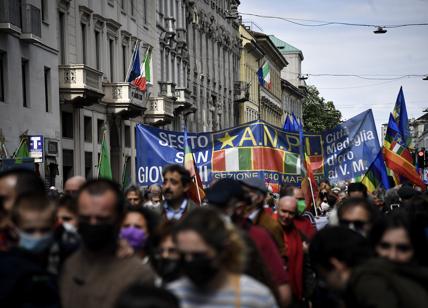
[(357, 224), (399, 247), (65, 218)]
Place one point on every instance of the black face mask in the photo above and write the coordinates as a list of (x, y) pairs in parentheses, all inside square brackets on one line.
[(200, 270), (168, 269), (98, 237)]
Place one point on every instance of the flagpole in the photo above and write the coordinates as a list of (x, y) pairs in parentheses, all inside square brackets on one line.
[(101, 154), (137, 42), (313, 197)]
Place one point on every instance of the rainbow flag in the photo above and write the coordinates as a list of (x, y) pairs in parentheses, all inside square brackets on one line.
[(397, 155), (196, 191), (376, 175)]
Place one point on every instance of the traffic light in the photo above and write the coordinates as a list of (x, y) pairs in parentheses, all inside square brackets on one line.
[(421, 158)]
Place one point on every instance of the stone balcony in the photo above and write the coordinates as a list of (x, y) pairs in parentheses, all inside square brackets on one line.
[(241, 91), (167, 89), (160, 111), (184, 100), (125, 99), (80, 84)]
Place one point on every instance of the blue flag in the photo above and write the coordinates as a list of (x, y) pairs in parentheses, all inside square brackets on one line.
[(400, 117), (136, 66)]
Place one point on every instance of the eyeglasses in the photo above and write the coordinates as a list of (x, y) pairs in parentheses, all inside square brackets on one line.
[(399, 247), (357, 224)]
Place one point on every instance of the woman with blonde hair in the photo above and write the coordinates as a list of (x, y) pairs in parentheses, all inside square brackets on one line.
[(213, 258)]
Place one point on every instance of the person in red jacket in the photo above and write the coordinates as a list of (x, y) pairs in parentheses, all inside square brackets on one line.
[(298, 231)]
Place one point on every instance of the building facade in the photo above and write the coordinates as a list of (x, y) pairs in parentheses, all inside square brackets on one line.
[(198, 61), (293, 86), (29, 94), (258, 101)]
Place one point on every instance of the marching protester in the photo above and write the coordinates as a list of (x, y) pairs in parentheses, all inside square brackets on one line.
[(134, 196), (73, 184), (229, 196), (357, 214), (212, 263), (154, 196), (357, 190), (256, 213), (176, 183), (164, 256), (89, 275), (137, 227), (298, 232)]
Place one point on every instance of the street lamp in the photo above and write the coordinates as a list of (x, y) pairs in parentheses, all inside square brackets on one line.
[(380, 30)]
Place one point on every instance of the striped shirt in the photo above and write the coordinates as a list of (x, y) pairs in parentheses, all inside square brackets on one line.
[(252, 294)]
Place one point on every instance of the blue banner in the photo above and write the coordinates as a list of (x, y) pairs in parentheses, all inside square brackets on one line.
[(258, 149)]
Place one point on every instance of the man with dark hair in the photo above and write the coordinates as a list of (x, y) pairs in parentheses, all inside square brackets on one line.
[(357, 190), (357, 214), (26, 275), (341, 259), (95, 276), (134, 196), (176, 184)]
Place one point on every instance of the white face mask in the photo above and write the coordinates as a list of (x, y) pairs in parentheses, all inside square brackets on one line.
[(69, 227), (324, 206)]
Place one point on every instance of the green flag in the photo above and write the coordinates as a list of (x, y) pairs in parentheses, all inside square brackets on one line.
[(104, 167), (22, 150), (126, 173)]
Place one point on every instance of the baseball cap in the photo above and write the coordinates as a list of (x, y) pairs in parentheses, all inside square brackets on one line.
[(256, 183), (224, 190)]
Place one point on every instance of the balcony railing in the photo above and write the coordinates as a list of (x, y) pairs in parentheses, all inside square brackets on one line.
[(124, 98), (159, 111), (241, 91), (31, 23), (10, 15), (80, 84), (167, 89)]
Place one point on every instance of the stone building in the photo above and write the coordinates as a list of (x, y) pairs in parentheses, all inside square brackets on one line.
[(197, 63), (29, 96), (293, 86), (256, 101)]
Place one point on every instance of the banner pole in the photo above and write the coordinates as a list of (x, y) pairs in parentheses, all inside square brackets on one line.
[(313, 198)]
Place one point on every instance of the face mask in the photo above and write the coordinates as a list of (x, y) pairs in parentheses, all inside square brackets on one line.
[(98, 237), (69, 227), (135, 237), (301, 206), (200, 271), (33, 243), (168, 269), (324, 206)]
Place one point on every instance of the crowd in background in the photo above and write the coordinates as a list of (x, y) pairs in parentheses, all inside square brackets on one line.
[(95, 244)]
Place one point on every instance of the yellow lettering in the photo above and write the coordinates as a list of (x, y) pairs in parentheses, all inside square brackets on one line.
[(308, 146), (248, 135), (292, 141), (267, 136)]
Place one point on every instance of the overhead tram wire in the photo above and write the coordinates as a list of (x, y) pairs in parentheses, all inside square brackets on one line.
[(322, 23)]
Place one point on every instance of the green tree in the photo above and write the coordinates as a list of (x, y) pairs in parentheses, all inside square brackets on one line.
[(319, 114)]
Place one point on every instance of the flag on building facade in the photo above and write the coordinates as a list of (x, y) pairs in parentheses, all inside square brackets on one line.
[(104, 167), (126, 172), (140, 74), (376, 176), (22, 150), (397, 155), (400, 117), (196, 191), (264, 76)]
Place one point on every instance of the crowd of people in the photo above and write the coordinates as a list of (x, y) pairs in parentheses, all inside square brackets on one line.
[(96, 244)]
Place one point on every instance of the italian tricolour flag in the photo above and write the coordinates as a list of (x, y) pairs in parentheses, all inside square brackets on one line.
[(255, 159)]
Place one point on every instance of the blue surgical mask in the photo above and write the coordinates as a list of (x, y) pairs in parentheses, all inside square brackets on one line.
[(35, 244)]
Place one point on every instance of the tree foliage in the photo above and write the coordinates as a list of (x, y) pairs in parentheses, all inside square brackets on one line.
[(319, 114)]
